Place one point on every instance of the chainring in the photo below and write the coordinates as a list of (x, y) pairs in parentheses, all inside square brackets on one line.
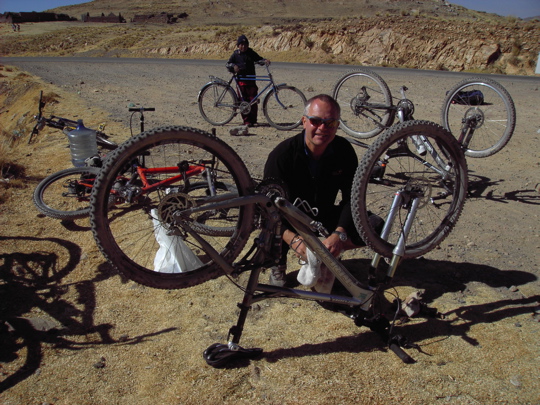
[(244, 107), (272, 188)]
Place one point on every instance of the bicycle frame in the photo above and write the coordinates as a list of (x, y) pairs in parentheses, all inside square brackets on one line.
[(253, 78), (266, 251), (148, 188), (129, 193), (404, 110), (304, 225)]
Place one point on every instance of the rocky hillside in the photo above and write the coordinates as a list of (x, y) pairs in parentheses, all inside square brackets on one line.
[(414, 42), (431, 34)]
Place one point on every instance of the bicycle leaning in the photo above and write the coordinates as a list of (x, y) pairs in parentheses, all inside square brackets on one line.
[(220, 101), (65, 194), (420, 197), (479, 112)]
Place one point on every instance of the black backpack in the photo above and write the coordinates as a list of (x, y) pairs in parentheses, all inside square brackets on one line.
[(473, 97)]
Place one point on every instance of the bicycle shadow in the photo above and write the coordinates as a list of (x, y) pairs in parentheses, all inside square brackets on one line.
[(438, 278), (75, 225), (528, 196), (31, 276), (479, 184)]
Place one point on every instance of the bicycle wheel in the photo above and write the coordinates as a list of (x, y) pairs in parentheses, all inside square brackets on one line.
[(66, 194), (142, 235), (217, 103), (436, 181), (220, 222), (365, 101), (283, 107), (490, 107)]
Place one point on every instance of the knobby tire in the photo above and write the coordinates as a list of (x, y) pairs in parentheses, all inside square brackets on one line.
[(126, 233), (63, 196), (374, 187)]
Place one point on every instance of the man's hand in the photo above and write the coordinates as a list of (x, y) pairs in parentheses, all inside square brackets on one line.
[(334, 244)]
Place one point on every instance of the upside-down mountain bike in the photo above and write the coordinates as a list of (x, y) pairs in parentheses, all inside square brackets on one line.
[(483, 125), (221, 100), (420, 198)]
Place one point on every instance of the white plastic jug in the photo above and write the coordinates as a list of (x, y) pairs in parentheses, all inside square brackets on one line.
[(82, 143)]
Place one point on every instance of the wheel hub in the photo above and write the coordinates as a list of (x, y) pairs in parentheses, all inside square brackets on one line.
[(359, 101), (474, 117), (170, 204), (419, 187)]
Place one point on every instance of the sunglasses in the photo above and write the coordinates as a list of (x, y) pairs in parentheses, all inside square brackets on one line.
[(330, 123)]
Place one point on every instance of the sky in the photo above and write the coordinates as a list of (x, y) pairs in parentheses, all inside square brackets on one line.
[(35, 5), (518, 8)]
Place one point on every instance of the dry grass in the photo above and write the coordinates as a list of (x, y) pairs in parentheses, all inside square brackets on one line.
[(149, 342)]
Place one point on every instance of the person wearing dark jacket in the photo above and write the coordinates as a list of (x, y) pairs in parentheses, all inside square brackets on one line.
[(242, 62), (315, 166)]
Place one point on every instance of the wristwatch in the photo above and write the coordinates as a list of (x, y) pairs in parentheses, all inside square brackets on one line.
[(342, 236)]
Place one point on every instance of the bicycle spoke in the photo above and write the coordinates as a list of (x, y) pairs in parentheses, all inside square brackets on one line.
[(393, 166), (143, 233), (364, 97)]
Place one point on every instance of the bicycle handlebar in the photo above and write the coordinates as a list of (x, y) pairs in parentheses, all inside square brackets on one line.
[(141, 109)]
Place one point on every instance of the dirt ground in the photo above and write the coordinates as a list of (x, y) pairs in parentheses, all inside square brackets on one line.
[(85, 335)]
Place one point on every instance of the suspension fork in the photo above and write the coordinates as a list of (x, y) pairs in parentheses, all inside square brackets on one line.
[(467, 131), (399, 249)]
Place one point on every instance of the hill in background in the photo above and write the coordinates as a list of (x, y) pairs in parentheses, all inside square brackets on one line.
[(230, 12), (429, 34)]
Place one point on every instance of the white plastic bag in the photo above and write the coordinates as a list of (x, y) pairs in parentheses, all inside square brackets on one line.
[(309, 273), (173, 255)]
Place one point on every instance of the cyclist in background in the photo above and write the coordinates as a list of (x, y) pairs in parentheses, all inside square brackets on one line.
[(242, 62)]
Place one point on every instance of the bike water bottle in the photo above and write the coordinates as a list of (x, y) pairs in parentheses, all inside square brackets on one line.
[(82, 143)]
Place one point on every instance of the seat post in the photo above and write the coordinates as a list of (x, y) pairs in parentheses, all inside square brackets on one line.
[(245, 306)]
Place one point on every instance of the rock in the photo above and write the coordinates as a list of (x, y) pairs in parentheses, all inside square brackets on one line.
[(241, 130)]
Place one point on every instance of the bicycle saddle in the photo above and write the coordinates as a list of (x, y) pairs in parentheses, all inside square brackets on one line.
[(217, 355)]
